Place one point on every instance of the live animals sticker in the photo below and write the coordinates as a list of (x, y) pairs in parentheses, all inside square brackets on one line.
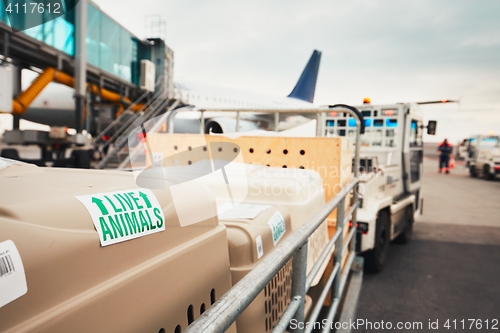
[(277, 225), (123, 215), (12, 278)]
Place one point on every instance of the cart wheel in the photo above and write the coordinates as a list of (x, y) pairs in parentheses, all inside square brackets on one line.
[(375, 259)]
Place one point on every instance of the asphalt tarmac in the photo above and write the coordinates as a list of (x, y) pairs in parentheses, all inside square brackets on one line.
[(451, 268)]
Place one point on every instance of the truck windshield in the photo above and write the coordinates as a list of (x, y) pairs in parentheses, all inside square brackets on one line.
[(490, 142)]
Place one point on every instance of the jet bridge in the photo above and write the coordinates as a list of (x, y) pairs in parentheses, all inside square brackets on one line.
[(122, 76)]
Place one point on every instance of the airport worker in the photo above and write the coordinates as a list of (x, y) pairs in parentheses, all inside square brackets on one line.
[(445, 150)]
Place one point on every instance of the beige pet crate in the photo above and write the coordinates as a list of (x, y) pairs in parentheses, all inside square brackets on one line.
[(156, 283), (249, 241), (330, 158)]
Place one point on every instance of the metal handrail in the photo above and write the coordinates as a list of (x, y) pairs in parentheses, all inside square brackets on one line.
[(119, 139), (150, 104), (157, 102), (219, 317), (138, 148), (129, 110)]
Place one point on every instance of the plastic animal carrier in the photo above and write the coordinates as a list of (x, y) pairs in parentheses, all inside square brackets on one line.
[(253, 231), (89, 250)]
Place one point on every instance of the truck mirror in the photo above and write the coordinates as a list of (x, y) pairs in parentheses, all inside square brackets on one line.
[(431, 127)]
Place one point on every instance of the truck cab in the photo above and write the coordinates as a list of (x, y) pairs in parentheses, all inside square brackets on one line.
[(483, 157), (391, 156)]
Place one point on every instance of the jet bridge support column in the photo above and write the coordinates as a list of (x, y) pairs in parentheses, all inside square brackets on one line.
[(80, 62), (17, 85)]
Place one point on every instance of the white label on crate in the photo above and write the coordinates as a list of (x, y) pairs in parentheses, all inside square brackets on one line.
[(157, 159), (12, 278), (259, 246), (278, 226), (240, 211), (123, 215), (4, 162)]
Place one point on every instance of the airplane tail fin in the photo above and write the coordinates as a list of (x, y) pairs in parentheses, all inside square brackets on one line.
[(306, 86)]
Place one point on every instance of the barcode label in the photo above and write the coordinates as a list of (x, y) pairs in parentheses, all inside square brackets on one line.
[(6, 265), (12, 278), (260, 248)]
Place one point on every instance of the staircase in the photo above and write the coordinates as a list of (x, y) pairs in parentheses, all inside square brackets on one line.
[(115, 150)]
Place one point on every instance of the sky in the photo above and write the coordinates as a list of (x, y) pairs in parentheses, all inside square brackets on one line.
[(390, 51)]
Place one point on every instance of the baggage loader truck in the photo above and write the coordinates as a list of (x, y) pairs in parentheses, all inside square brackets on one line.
[(391, 157)]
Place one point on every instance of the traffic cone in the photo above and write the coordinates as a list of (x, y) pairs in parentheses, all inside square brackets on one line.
[(452, 162)]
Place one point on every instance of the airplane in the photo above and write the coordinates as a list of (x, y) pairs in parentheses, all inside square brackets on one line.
[(55, 105)]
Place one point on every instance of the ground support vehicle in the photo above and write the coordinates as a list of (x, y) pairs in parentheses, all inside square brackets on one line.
[(483, 157), (391, 157)]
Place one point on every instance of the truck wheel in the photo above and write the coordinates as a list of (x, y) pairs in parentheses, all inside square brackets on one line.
[(405, 236), (473, 171), (486, 172), (81, 158), (375, 259)]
